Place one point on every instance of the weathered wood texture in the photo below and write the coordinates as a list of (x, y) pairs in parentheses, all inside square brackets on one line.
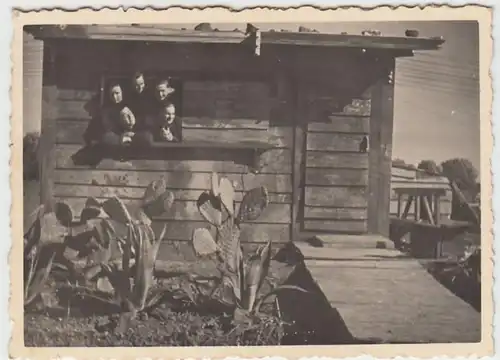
[(222, 101), (394, 298), (336, 167), (381, 128)]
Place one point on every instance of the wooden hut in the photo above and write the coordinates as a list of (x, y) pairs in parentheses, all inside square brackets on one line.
[(309, 115)]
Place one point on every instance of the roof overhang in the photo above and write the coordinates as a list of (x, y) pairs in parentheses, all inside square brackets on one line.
[(153, 33)]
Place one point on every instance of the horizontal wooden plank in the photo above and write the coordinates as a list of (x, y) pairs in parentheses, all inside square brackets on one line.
[(223, 123), (322, 159), (354, 226), (75, 109), (403, 172), (208, 123), (335, 213), (250, 232), (444, 199), (336, 197), (126, 192), (276, 136), (188, 210), (174, 179), (336, 177), (77, 95), (342, 124), (334, 142), (71, 132), (273, 161), (180, 255)]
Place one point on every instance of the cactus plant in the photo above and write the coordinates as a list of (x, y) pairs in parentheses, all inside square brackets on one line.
[(244, 279), (217, 207), (127, 274)]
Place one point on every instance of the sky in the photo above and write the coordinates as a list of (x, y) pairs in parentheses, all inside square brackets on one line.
[(436, 111)]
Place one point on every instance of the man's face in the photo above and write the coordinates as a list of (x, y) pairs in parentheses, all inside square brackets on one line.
[(169, 114), (162, 91), (116, 94), (139, 84)]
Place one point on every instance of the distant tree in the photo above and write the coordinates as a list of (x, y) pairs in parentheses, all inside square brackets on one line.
[(462, 172), (430, 167), (30, 155), (402, 163)]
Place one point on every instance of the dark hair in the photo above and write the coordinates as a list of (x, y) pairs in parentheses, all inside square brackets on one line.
[(166, 81), (167, 105), (138, 74), (114, 84)]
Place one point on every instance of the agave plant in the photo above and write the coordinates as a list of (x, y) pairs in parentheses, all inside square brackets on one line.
[(243, 278), (40, 248), (247, 284), (126, 248)]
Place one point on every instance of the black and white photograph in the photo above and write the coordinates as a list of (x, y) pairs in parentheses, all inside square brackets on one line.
[(252, 184)]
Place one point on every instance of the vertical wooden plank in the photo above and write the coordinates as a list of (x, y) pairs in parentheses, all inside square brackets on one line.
[(298, 169), (399, 205), (418, 204), (437, 209), (381, 128), (48, 126)]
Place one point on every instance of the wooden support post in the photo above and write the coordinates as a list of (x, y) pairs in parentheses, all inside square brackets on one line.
[(417, 208), (399, 204), (298, 156), (380, 151), (437, 209), (48, 127)]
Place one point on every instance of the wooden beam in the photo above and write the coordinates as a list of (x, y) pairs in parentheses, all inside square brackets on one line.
[(48, 127), (356, 41), (405, 45), (381, 128)]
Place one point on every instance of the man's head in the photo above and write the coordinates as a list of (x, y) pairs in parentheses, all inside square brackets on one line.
[(116, 93), (163, 90), (168, 113), (139, 82)]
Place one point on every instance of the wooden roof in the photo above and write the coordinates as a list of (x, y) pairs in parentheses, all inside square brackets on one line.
[(159, 33)]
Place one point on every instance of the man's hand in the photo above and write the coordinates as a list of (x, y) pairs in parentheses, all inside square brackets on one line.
[(166, 134)]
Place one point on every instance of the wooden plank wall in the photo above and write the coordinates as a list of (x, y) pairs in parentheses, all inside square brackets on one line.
[(336, 171), (218, 110), (402, 176)]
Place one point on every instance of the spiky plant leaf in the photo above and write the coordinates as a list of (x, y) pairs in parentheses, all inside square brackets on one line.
[(203, 242), (228, 240), (90, 212), (92, 202), (51, 230), (32, 236), (117, 210), (256, 271), (210, 207), (63, 213), (227, 195), (215, 184), (253, 204), (37, 281)]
